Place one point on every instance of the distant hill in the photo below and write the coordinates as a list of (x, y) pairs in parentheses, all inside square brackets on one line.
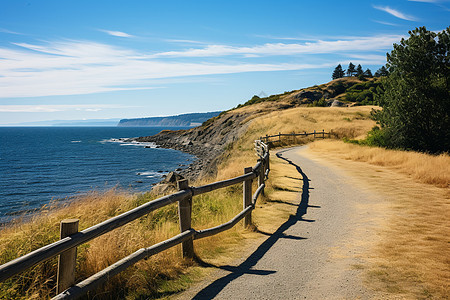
[(184, 120), (89, 123)]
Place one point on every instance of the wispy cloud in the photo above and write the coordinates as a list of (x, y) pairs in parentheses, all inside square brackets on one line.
[(9, 31), (439, 3), (184, 41), (57, 108), (272, 49), (385, 23), (116, 33), (72, 67), (429, 1), (395, 13)]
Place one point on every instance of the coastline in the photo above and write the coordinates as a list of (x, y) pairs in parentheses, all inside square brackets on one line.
[(205, 155)]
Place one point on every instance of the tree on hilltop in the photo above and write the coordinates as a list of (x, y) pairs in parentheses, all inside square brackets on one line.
[(381, 72), (338, 72), (359, 70), (351, 69), (368, 73), (416, 97)]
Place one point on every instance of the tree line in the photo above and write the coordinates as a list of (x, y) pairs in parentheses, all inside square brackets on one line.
[(339, 72)]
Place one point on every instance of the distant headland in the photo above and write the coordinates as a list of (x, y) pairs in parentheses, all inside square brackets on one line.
[(183, 120)]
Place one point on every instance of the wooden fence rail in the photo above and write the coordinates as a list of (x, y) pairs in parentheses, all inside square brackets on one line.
[(316, 134), (66, 246)]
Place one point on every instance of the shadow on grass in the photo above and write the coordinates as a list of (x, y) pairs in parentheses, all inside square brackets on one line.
[(246, 267)]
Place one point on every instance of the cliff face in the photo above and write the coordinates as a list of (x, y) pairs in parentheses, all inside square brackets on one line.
[(184, 120)]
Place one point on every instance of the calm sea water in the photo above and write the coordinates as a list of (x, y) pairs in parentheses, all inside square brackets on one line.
[(38, 164)]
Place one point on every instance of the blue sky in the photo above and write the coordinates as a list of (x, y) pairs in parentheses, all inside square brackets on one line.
[(72, 60)]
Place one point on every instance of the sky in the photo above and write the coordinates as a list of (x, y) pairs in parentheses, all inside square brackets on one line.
[(76, 60)]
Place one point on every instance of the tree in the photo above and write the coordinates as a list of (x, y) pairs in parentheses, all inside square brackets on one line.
[(416, 97), (359, 70), (351, 69), (338, 72), (381, 72), (368, 73)]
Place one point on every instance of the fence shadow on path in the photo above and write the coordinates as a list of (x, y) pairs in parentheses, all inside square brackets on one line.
[(245, 267)]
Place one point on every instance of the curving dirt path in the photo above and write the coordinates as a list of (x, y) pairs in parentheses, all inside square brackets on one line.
[(318, 253)]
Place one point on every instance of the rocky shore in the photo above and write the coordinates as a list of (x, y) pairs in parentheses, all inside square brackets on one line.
[(206, 155)]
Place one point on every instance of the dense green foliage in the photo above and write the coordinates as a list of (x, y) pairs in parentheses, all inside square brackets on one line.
[(416, 97), (363, 93)]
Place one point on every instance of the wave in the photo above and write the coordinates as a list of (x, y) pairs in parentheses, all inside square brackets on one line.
[(129, 142), (150, 174)]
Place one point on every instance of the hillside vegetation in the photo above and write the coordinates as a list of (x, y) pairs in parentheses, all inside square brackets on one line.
[(350, 91), (230, 137)]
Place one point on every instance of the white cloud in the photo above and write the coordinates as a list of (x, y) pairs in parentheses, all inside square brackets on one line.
[(9, 31), (116, 33), (57, 108), (429, 1), (82, 67), (395, 13), (385, 23), (271, 49), (184, 41)]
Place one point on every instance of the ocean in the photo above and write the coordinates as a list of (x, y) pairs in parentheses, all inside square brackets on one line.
[(41, 164)]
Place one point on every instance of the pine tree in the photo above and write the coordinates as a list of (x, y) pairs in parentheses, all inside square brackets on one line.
[(368, 73), (338, 72), (382, 72), (416, 98), (351, 69), (359, 70)]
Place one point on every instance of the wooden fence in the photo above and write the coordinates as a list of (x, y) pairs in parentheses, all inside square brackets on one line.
[(71, 238), (277, 137)]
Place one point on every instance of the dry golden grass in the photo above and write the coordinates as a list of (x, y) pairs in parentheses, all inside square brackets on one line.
[(411, 259), (354, 121), (148, 278), (422, 167)]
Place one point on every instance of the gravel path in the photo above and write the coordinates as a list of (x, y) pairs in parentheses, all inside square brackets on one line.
[(318, 253)]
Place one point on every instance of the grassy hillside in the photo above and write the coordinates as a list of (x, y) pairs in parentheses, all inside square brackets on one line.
[(349, 90)]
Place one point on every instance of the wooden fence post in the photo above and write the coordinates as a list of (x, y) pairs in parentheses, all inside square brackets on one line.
[(279, 136), (262, 170), (67, 260), (314, 133), (184, 214), (323, 133), (247, 197)]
